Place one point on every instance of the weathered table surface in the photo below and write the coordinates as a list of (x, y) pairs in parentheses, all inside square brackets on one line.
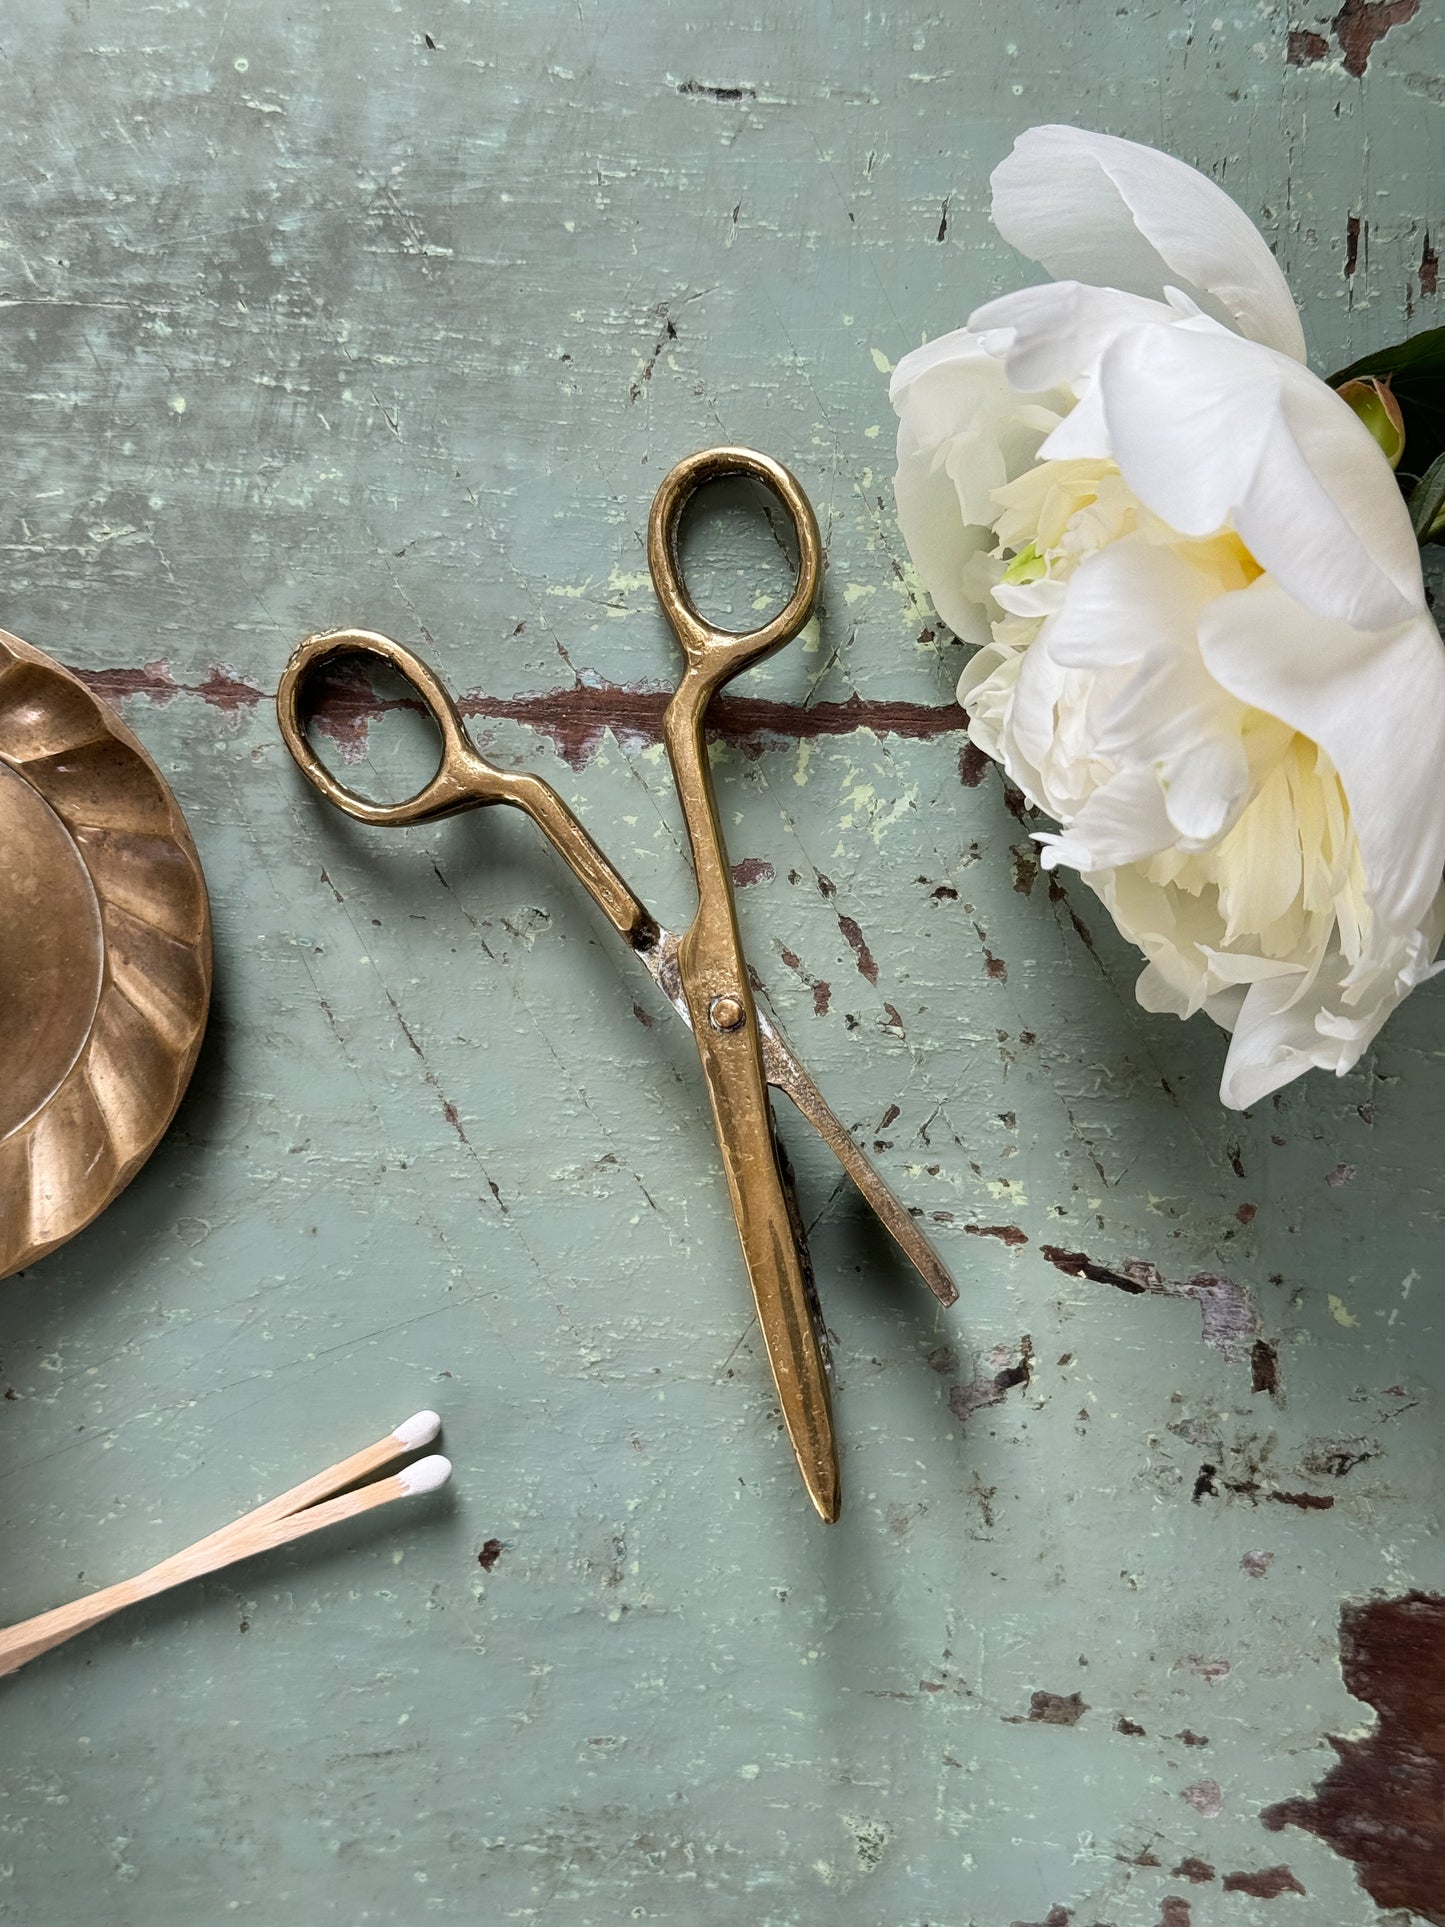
[(393, 314)]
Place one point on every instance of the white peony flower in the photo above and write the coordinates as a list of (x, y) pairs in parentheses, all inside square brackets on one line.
[(1204, 643)]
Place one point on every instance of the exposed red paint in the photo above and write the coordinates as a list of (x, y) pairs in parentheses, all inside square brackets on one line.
[(1429, 277), (1379, 1805), (822, 992), (153, 679), (1055, 1709), (1256, 1564), (1264, 1367), (222, 689), (1247, 1213), (1195, 1869), (753, 869), (1056, 1917), (1268, 1884), (856, 942), (1076, 1264), (1304, 47), (972, 766), (1009, 1233), (575, 719), (1130, 1728), (1175, 1913), (490, 1553), (1359, 24)]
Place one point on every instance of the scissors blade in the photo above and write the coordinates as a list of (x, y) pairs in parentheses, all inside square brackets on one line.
[(770, 1226), (784, 1073), (658, 958), (774, 1253)]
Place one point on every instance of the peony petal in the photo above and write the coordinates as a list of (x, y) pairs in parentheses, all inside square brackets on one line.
[(1049, 337), (1210, 430), (1126, 602), (1092, 207), (940, 543), (1135, 606), (1172, 931), (1031, 600), (1205, 787), (1374, 702), (1124, 821), (1083, 434), (1280, 1034), (959, 437), (951, 395)]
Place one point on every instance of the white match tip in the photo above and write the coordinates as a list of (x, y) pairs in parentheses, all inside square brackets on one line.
[(427, 1474), (420, 1429)]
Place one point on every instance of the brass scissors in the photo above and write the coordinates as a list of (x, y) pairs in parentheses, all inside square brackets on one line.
[(704, 973)]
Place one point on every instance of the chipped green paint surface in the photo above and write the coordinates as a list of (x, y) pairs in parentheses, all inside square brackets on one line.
[(396, 315)]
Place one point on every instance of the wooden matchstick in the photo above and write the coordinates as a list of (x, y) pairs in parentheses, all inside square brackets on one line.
[(258, 1531), (420, 1429)]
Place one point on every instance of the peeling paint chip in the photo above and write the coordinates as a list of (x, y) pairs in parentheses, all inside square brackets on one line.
[(1268, 1884), (1056, 1709), (1379, 1805)]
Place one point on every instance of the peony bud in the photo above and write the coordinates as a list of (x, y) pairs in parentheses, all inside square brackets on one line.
[(1377, 408)]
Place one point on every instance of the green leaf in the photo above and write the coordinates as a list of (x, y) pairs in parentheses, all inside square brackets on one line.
[(1427, 504), (1416, 372), (1422, 354)]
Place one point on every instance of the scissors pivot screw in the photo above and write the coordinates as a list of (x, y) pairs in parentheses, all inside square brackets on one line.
[(726, 1012)]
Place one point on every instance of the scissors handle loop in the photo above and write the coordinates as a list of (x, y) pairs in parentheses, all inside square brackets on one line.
[(464, 779), (724, 651), (461, 778)]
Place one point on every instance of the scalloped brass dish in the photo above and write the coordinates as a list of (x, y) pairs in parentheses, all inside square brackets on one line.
[(105, 955)]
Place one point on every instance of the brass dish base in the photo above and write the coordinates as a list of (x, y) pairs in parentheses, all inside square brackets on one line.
[(105, 955)]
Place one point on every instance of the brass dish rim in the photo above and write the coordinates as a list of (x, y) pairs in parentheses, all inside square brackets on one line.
[(31, 1226)]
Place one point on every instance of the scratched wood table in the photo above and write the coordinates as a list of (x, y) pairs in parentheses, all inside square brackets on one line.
[(395, 315)]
